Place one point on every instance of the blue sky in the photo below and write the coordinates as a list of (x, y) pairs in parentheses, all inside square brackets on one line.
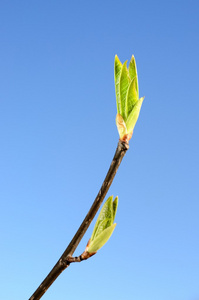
[(58, 136)]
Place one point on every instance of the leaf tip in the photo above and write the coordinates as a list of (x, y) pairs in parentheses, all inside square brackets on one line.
[(118, 63), (116, 198), (132, 58)]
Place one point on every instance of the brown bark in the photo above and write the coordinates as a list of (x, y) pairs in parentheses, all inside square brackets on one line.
[(63, 263)]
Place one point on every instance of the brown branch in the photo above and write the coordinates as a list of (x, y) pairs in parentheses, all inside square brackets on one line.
[(63, 263)]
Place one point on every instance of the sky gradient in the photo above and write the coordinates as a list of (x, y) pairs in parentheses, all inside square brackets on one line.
[(58, 137)]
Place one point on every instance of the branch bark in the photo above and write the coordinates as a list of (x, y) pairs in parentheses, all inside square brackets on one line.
[(63, 263)]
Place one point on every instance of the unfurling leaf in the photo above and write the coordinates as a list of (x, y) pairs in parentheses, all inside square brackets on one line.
[(118, 69), (132, 119), (104, 226), (132, 96), (124, 85), (127, 97), (133, 72), (101, 239), (115, 204)]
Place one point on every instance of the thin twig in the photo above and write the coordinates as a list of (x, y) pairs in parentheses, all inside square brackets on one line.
[(72, 259), (85, 255), (63, 263)]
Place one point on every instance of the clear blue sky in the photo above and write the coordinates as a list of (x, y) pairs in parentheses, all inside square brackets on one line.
[(58, 136)]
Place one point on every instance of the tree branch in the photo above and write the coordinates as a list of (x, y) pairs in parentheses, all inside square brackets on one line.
[(63, 262)]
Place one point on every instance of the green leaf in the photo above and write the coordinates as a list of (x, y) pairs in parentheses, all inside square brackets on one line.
[(132, 119), (106, 213), (117, 69), (101, 239), (127, 97), (101, 226), (104, 225), (124, 85), (132, 96), (133, 72), (115, 205)]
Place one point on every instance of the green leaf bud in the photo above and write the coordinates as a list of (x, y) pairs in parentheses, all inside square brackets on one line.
[(127, 97), (104, 226)]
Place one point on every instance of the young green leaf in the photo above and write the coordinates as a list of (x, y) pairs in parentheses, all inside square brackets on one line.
[(132, 119), (115, 205), (132, 96), (133, 72), (101, 226), (127, 98), (101, 239), (117, 71), (124, 85), (105, 213), (104, 225)]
